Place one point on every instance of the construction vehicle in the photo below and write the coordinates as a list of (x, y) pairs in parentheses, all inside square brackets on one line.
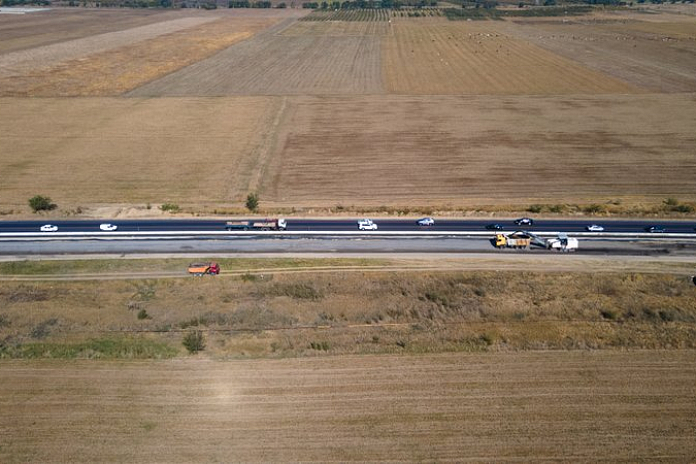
[(266, 224), (514, 240), (562, 243), (199, 269), (523, 239)]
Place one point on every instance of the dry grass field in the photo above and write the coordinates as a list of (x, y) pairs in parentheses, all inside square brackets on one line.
[(132, 151), (553, 406), (413, 112), (337, 308)]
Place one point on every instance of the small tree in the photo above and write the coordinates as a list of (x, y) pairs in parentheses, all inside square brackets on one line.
[(252, 202), (41, 203), (194, 341)]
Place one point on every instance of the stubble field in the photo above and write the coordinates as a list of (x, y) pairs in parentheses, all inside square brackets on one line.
[(420, 111), (613, 406)]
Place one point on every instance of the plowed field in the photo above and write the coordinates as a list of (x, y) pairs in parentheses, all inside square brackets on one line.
[(532, 407), (458, 150)]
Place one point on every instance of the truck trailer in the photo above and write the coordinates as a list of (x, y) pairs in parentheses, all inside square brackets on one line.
[(199, 269), (265, 224)]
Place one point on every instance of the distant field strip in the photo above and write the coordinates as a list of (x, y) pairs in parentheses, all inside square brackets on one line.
[(118, 70), (20, 62), (659, 57), (273, 63), (439, 57)]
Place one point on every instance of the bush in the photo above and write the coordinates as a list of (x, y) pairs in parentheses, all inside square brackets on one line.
[(41, 203), (170, 207), (142, 314), (252, 202), (535, 209), (194, 341)]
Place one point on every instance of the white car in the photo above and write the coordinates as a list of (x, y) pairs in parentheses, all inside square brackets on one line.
[(108, 227), (595, 228), (525, 221), (366, 224), (427, 221), (49, 228)]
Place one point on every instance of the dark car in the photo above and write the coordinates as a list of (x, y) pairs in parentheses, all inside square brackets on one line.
[(655, 229), (494, 227), (525, 221)]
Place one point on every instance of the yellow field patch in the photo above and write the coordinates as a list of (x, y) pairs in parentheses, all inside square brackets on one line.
[(435, 57), (114, 72), (131, 151)]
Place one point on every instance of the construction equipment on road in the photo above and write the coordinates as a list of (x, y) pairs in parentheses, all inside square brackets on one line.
[(523, 239), (199, 269), (514, 240)]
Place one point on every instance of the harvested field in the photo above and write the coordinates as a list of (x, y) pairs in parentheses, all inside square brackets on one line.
[(580, 406), (309, 27), (654, 53), (31, 31), (274, 63), (132, 151), (436, 56), (474, 150), (113, 63)]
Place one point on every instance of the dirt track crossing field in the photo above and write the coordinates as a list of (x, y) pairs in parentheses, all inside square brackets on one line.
[(579, 406)]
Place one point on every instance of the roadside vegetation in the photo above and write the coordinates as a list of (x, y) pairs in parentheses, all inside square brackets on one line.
[(256, 314)]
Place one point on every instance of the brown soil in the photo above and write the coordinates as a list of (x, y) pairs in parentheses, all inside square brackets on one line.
[(654, 52), (474, 150), (554, 406)]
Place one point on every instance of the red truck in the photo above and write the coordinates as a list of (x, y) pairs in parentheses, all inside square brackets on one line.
[(199, 269)]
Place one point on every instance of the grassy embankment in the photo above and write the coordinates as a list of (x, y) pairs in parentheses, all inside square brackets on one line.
[(263, 309)]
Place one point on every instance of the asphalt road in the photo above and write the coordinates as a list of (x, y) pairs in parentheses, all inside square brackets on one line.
[(350, 225)]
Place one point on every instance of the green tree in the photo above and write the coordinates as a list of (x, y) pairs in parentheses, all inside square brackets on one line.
[(252, 202), (41, 203)]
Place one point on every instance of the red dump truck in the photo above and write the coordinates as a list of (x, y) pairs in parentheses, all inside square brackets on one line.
[(199, 269), (265, 224)]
